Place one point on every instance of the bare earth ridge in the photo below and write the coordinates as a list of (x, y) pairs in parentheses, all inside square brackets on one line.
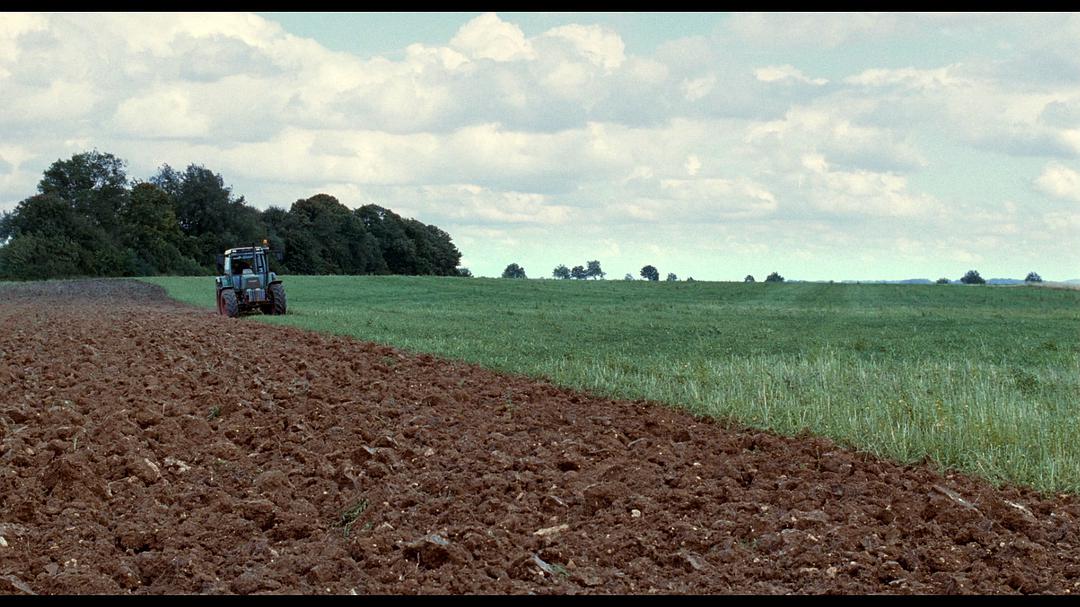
[(151, 447)]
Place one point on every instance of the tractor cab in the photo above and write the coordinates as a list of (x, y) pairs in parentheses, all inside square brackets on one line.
[(245, 282)]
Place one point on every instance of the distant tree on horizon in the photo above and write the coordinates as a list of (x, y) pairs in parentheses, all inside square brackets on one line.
[(972, 278), (943, 281), (749, 278), (628, 276), (650, 273), (671, 277), (579, 273), (464, 272), (774, 277), (1033, 277), (561, 272), (593, 270), (514, 271)]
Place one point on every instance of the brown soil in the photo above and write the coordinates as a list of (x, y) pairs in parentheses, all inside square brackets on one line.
[(149, 447)]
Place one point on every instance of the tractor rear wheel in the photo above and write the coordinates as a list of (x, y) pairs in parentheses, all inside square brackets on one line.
[(277, 297), (228, 305)]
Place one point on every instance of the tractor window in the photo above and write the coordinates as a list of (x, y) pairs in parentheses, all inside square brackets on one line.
[(239, 265)]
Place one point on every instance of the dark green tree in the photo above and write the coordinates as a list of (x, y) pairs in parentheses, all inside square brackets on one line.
[(1033, 277), (445, 256), (38, 256), (207, 211), (276, 220), (324, 236), (749, 278), (89, 220), (561, 272), (774, 277), (592, 270), (650, 273), (972, 278), (90, 249), (943, 281), (671, 277), (398, 250), (514, 271), (579, 273), (93, 183), (152, 233)]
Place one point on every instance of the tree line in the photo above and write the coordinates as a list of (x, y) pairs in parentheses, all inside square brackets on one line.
[(650, 273), (592, 269), (89, 219)]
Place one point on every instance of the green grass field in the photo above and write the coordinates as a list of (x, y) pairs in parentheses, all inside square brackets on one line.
[(981, 379)]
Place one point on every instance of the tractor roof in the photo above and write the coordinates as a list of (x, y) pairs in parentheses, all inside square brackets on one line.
[(244, 250)]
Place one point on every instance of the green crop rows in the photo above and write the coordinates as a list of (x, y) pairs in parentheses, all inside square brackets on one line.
[(981, 379)]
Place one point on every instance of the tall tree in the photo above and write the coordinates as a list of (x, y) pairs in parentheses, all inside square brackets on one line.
[(514, 271), (445, 256), (153, 234), (972, 278), (650, 273), (593, 270), (398, 250), (93, 183), (207, 210)]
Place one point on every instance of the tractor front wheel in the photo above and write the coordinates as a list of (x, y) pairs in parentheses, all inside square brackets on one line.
[(227, 303), (277, 297)]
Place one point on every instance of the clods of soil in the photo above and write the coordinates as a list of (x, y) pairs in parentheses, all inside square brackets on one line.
[(148, 447)]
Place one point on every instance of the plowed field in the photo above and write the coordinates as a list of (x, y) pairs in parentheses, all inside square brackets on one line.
[(149, 447)]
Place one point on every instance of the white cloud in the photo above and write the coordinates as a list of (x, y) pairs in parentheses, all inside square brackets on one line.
[(779, 73), (156, 32), (528, 135), (489, 37), (567, 79), (447, 58), (12, 26), (701, 200), (693, 165), (863, 192), (163, 113), (826, 130), (698, 87), (1059, 181), (480, 205), (598, 44), (910, 77)]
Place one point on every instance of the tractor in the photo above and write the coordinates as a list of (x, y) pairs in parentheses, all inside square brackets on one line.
[(245, 282)]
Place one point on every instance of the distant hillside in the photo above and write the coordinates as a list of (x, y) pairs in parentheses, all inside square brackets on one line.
[(906, 281)]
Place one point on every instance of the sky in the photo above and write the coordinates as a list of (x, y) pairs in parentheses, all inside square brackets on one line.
[(832, 146)]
